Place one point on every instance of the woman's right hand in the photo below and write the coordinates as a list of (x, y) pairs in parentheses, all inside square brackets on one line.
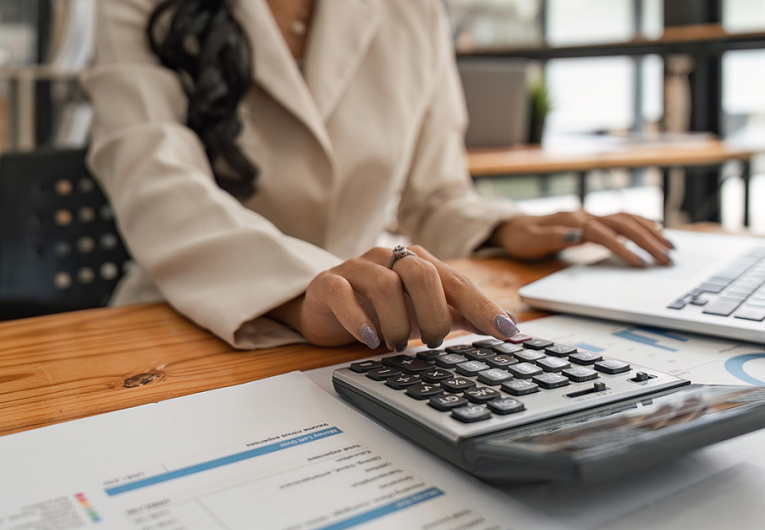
[(418, 297)]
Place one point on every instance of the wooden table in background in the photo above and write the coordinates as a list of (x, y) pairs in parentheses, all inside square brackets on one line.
[(63, 367), (533, 160)]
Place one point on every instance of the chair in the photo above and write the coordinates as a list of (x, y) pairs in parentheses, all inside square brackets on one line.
[(59, 246)]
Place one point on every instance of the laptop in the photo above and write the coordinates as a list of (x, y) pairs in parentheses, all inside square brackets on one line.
[(715, 287), (497, 101)]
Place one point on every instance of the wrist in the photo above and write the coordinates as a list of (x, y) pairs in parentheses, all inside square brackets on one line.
[(289, 313)]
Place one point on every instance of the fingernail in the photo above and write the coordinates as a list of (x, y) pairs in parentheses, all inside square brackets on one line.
[(434, 345), (505, 326), (512, 317), (369, 336), (671, 244), (573, 236), (402, 347)]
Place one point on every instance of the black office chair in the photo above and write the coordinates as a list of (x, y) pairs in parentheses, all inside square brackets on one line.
[(59, 247)]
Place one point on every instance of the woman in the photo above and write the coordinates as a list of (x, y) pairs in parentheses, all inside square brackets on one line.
[(251, 150)]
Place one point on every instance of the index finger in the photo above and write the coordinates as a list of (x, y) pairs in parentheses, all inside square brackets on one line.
[(472, 303)]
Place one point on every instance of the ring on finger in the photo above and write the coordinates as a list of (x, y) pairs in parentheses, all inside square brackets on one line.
[(399, 252)]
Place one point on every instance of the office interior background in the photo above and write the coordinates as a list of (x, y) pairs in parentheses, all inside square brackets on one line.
[(600, 78)]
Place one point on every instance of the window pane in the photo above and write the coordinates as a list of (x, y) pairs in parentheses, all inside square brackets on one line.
[(571, 22), (743, 89), (591, 95), (482, 24), (743, 15)]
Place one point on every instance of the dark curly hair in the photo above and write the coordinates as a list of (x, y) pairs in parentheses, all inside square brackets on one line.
[(206, 46)]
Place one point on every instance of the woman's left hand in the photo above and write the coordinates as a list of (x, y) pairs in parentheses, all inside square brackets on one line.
[(535, 237)]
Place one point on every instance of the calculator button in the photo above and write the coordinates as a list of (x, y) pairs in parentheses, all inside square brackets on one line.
[(364, 366), (458, 348), (524, 370), (457, 384), (585, 357), (479, 354), (494, 376), (520, 387), (407, 363), (519, 337), (471, 413), (612, 366), (380, 374), (450, 360), (400, 382), (482, 394), (506, 348), (560, 350), (471, 368), (505, 405), (579, 374), (537, 344), (500, 361), (429, 355), (553, 364), (424, 391), (550, 380), (447, 402), (529, 356), (487, 343), (435, 375)]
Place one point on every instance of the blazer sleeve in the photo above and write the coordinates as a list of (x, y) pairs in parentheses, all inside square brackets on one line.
[(440, 208), (217, 262)]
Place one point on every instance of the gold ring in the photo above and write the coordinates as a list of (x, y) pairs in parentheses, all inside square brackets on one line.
[(399, 252)]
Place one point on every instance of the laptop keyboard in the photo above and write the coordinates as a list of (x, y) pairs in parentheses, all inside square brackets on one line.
[(737, 291)]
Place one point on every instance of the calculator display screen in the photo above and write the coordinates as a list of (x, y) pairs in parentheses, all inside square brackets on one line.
[(636, 420)]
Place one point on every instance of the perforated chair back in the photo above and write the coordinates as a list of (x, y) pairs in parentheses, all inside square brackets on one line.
[(59, 246)]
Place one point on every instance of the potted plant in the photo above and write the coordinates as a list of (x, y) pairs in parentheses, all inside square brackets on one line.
[(541, 105)]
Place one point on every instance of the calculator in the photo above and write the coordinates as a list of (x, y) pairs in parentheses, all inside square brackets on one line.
[(531, 410)]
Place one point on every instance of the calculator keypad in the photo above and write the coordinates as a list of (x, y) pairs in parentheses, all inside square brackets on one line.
[(489, 381)]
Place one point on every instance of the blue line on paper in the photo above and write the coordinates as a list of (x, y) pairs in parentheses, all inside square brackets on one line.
[(630, 334), (387, 509), (662, 332), (224, 461), (590, 347), (735, 367)]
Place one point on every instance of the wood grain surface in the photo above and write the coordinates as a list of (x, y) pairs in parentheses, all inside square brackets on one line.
[(535, 160), (63, 367)]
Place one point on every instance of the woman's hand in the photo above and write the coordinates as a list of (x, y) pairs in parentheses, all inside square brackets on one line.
[(529, 237), (418, 297)]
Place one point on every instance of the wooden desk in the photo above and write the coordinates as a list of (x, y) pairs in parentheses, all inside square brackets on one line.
[(63, 367), (493, 163)]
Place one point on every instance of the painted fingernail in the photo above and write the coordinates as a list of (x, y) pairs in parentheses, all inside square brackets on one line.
[(434, 345), (369, 336), (512, 317), (505, 325), (402, 347), (573, 236)]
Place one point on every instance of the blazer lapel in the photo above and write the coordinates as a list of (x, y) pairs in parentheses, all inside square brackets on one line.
[(276, 71), (341, 32)]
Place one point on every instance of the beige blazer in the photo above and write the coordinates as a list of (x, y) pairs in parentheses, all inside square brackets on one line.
[(377, 115)]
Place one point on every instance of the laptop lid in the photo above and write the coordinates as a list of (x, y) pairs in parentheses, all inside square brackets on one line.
[(497, 101), (611, 290)]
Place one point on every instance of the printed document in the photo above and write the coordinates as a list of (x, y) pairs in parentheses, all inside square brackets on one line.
[(275, 454)]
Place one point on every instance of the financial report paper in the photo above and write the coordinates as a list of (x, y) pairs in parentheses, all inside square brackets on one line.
[(278, 454)]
